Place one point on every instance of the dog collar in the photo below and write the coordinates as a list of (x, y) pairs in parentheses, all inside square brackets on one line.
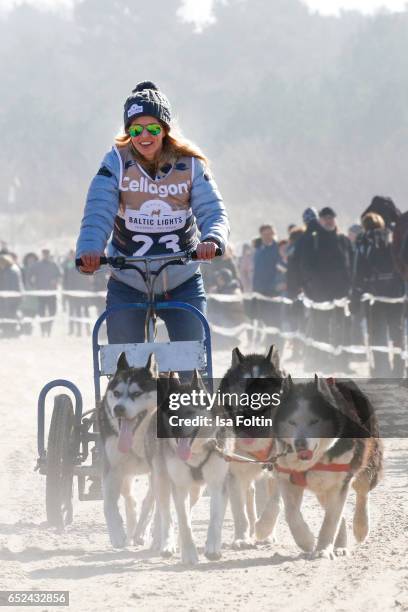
[(299, 478)]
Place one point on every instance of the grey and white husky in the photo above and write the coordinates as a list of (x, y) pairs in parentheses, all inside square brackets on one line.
[(188, 460), (330, 433), (254, 373), (123, 418)]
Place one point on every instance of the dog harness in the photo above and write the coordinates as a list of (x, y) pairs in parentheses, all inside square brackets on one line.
[(260, 456), (264, 453), (299, 478)]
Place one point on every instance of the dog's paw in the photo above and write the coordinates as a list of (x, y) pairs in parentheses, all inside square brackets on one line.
[(342, 552), (307, 544), (166, 553), (167, 549), (243, 544), (263, 532), (361, 529), (269, 541), (213, 556), (325, 553), (118, 538), (189, 556)]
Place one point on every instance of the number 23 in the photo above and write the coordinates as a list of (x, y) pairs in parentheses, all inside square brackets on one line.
[(171, 242)]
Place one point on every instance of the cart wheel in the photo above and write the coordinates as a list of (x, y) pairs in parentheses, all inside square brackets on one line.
[(59, 479)]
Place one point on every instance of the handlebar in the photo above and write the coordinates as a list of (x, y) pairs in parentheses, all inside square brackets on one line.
[(120, 261)]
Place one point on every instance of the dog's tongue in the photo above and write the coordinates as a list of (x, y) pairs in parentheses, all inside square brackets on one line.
[(305, 454), (125, 436), (184, 449)]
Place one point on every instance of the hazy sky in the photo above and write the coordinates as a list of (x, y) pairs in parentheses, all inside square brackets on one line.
[(200, 10), (365, 6)]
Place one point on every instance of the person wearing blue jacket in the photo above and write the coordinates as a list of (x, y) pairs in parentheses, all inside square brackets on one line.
[(153, 195)]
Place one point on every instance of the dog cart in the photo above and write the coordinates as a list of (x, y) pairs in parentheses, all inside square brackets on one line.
[(72, 449)]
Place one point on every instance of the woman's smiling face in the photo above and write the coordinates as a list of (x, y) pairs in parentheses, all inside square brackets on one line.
[(147, 144)]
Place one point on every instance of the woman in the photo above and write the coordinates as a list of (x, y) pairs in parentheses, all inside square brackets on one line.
[(154, 191)]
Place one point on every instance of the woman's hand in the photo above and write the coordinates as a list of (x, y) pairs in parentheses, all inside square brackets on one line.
[(90, 262), (206, 250)]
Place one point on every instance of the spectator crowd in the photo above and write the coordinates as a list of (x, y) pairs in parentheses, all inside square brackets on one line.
[(338, 290), (29, 291)]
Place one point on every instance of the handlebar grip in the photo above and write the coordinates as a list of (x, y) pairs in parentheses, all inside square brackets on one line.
[(102, 260), (218, 253)]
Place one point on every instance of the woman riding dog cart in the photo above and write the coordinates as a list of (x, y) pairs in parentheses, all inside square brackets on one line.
[(147, 203), (153, 190)]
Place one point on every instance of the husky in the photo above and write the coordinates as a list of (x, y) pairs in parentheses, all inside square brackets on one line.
[(187, 460), (252, 374), (329, 433), (123, 418)]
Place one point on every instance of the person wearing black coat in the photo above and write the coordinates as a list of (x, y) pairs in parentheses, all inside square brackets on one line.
[(375, 274), (322, 264), (10, 282)]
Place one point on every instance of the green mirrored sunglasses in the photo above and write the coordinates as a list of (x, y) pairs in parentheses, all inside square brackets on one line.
[(153, 128)]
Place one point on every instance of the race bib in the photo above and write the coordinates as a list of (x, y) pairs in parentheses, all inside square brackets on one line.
[(154, 217)]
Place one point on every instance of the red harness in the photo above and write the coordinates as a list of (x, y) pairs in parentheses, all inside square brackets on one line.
[(299, 478), (264, 453), (261, 455)]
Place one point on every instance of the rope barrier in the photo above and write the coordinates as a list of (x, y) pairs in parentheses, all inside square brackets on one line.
[(256, 326)]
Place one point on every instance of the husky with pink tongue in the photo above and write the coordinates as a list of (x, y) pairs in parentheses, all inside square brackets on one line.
[(124, 415)]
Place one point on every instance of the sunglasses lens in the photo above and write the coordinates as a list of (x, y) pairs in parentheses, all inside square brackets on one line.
[(135, 130), (154, 129)]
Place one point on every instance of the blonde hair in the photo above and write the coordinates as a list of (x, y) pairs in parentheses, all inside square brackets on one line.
[(174, 147), (372, 221)]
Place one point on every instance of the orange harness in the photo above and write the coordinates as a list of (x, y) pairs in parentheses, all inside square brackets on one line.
[(260, 455), (263, 454), (299, 478)]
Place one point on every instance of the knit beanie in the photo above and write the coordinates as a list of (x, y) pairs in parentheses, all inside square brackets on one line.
[(146, 99), (327, 212), (310, 214)]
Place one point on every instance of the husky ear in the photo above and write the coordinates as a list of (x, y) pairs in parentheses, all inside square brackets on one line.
[(273, 357), (287, 384), (122, 362), (197, 381), (174, 381), (151, 366), (237, 357), (321, 385)]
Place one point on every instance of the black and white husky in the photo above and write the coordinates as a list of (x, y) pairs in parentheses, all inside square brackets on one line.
[(123, 417), (330, 433), (252, 374), (186, 461)]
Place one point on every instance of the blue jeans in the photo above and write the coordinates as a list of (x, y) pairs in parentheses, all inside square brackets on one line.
[(127, 326)]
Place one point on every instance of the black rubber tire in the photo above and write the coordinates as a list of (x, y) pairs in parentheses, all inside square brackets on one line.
[(60, 466)]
